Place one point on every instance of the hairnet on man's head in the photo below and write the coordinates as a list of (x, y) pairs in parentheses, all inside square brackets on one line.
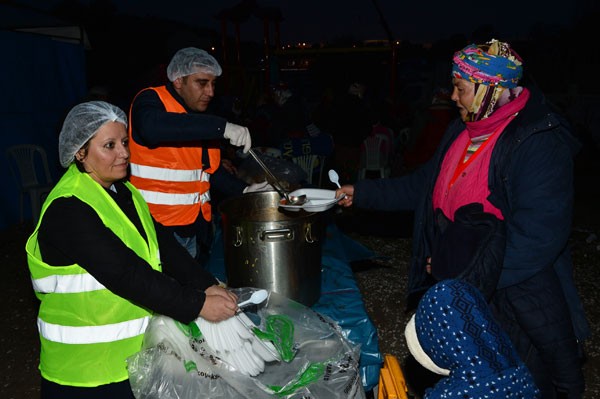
[(82, 123), (190, 60)]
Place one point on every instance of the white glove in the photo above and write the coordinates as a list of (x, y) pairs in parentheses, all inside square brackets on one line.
[(238, 136), (258, 187)]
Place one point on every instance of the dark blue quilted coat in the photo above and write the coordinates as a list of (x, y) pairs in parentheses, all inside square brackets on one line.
[(531, 182)]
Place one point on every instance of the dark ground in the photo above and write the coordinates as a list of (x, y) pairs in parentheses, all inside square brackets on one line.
[(382, 282)]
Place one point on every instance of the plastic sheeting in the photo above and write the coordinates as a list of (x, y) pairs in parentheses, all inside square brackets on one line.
[(340, 298), (314, 358)]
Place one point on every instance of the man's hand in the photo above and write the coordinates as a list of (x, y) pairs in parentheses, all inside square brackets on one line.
[(238, 136)]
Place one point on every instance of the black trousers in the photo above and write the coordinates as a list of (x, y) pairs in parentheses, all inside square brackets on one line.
[(117, 390)]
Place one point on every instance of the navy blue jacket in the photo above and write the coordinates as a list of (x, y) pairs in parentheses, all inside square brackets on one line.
[(531, 182)]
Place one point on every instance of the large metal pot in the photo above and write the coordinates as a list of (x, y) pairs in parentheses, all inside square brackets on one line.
[(272, 249)]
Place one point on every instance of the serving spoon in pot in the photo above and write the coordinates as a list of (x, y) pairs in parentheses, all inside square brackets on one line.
[(289, 199)]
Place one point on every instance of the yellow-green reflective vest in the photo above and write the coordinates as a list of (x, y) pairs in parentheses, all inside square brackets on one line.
[(86, 331)]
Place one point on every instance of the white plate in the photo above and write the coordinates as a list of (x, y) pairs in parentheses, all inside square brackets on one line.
[(318, 200)]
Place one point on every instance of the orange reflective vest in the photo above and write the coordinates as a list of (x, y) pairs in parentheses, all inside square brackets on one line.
[(171, 179)]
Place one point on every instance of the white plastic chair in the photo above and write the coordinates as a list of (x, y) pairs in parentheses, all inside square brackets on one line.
[(373, 156), (309, 163), (29, 165)]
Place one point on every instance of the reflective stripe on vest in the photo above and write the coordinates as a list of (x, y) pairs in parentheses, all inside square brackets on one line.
[(173, 180), (155, 197), (69, 284), (165, 174), (92, 334), (86, 331)]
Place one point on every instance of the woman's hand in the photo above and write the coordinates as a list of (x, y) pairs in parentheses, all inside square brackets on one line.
[(218, 290), (220, 304), (347, 189)]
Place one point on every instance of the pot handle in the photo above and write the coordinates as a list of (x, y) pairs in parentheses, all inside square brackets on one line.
[(238, 237), (277, 234), (308, 236)]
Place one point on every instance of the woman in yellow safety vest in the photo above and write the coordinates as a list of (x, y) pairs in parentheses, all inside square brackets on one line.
[(96, 266)]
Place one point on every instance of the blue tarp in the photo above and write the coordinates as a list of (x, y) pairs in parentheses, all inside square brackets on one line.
[(340, 298), (42, 78)]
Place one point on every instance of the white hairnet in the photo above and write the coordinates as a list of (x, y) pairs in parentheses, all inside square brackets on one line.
[(82, 123), (190, 60)]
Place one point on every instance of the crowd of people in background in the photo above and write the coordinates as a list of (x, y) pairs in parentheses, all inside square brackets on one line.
[(349, 111)]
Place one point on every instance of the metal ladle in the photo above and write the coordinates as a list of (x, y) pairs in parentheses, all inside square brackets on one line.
[(290, 199)]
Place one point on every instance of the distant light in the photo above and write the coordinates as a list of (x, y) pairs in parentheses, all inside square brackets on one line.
[(212, 48)]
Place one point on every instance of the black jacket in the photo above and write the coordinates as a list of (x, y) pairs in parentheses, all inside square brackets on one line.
[(72, 232)]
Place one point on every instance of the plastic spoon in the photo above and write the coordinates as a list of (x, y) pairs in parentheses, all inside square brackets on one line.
[(256, 298), (335, 179)]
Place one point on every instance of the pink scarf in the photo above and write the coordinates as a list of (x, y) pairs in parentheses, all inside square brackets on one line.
[(471, 186)]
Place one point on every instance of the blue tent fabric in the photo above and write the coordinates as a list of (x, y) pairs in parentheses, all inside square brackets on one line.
[(41, 81), (340, 298)]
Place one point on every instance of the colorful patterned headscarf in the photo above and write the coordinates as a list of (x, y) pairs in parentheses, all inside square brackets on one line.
[(493, 67)]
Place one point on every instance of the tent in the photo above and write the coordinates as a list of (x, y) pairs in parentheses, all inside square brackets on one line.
[(43, 76)]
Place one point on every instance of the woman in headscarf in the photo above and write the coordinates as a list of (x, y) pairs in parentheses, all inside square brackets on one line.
[(494, 207), (101, 266)]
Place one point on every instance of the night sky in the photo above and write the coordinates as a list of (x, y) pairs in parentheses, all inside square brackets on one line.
[(421, 20), (325, 20)]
